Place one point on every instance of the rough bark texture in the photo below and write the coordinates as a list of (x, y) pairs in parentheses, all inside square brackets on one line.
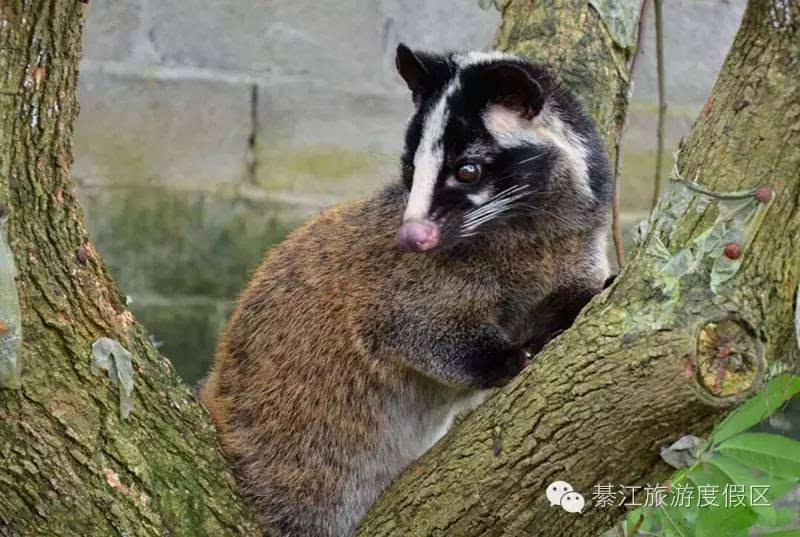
[(69, 465), (648, 360)]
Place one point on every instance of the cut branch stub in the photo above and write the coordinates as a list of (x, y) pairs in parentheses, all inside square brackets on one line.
[(729, 361)]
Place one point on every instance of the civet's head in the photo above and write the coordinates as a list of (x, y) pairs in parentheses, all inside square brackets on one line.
[(495, 141)]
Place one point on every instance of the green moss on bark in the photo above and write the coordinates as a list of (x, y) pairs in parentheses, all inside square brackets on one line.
[(69, 466)]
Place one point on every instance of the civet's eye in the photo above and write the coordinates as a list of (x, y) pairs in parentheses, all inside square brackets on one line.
[(469, 173)]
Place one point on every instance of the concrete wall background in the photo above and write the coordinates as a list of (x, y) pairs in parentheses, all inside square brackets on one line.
[(210, 128)]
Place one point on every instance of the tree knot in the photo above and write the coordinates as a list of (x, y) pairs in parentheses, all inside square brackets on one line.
[(729, 359)]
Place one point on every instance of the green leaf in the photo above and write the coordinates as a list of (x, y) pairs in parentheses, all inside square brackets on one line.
[(632, 520), (657, 525), (709, 474), (744, 476), (785, 533), (736, 472), (672, 519), (783, 516), (648, 521), (779, 390), (719, 520), (773, 454), (724, 521)]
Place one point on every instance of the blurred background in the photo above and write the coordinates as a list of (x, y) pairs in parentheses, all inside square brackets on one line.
[(208, 129)]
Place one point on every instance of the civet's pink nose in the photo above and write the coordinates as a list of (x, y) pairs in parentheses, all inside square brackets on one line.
[(417, 235)]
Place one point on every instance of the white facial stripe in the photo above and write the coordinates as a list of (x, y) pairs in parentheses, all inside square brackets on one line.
[(429, 158), (572, 148), (509, 129)]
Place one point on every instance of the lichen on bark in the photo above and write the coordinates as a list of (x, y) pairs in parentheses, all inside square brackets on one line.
[(110, 356), (715, 253), (621, 18)]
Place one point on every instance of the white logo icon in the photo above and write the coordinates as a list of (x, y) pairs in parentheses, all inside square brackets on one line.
[(556, 490), (562, 494), (572, 502)]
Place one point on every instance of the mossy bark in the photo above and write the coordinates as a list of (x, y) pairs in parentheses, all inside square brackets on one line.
[(650, 359), (69, 464)]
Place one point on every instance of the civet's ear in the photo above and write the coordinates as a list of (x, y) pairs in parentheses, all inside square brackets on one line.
[(513, 88), (411, 68)]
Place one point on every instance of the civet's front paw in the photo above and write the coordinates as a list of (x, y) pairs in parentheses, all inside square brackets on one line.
[(509, 366)]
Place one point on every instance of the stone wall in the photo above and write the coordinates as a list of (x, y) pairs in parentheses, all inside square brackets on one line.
[(210, 128)]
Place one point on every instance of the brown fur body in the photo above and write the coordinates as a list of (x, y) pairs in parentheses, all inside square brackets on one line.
[(318, 391)]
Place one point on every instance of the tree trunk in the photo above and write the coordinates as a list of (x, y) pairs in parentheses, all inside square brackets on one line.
[(683, 334), (70, 465)]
